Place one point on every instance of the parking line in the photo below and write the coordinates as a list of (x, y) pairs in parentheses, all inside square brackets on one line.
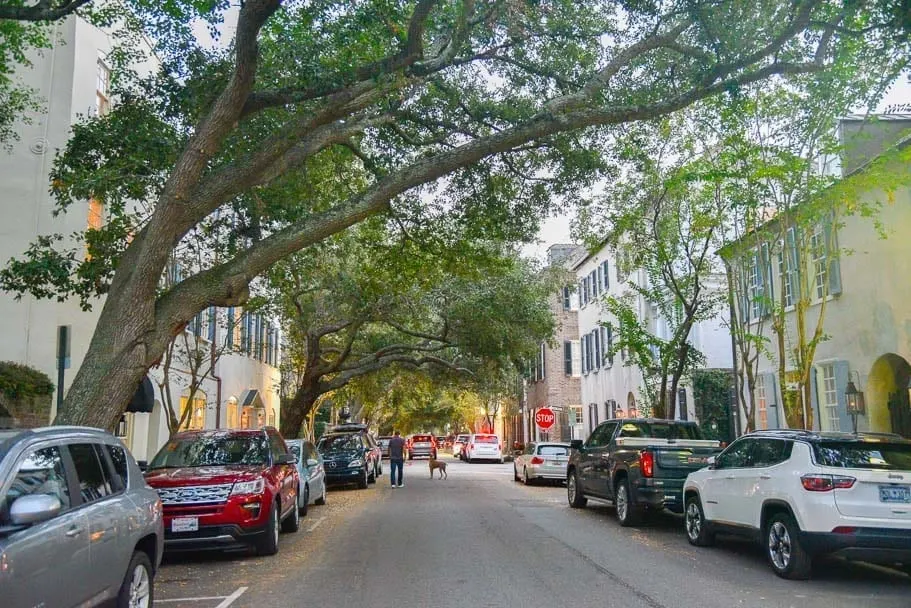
[(192, 599), (231, 598), (316, 524)]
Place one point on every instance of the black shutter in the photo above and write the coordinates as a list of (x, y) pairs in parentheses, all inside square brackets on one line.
[(568, 357)]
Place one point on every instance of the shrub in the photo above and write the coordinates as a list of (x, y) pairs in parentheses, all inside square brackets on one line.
[(19, 381)]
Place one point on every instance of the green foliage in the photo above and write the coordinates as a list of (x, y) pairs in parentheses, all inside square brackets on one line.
[(19, 381), (712, 390)]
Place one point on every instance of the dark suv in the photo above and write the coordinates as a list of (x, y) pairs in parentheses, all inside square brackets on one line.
[(351, 455)]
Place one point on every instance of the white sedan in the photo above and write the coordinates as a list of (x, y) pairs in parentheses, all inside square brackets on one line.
[(545, 460)]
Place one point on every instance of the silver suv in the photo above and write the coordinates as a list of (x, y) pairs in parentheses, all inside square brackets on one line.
[(78, 524)]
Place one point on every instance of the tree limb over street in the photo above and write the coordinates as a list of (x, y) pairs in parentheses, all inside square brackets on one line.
[(252, 146)]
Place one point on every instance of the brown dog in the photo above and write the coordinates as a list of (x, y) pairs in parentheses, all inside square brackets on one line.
[(438, 464)]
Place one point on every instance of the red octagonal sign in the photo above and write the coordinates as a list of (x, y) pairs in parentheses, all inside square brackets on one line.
[(544, 418)]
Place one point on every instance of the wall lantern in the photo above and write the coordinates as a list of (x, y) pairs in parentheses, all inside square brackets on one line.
[(855, 403)]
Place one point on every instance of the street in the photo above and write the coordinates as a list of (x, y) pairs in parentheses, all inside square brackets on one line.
[(478, 539)]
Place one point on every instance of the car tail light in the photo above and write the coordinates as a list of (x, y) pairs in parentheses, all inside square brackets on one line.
[(537, 460), (647, 463), (826, 483), (844, 530)]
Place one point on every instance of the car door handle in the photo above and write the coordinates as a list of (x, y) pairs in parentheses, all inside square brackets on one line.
[(764, 476), (730, 477), (73, 532)]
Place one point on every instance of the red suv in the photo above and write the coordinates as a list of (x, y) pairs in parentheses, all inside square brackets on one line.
[(226, 489)]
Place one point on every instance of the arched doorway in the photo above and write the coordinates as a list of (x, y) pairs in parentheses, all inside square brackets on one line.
[(888, 405)]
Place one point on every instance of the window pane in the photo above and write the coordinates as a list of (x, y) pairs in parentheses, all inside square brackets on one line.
[(119, 458), (93, 483), (552, 450), (859, 455), (41, 472)]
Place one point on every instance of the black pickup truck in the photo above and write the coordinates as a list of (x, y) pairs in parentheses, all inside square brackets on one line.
[(638, 464)]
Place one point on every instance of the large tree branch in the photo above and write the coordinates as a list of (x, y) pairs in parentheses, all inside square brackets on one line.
[(343, 378), (41, 11)]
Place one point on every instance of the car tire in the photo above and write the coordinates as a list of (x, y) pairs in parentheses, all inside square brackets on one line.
[(574, 493), (697, 530), (268, 545), (292, 522), (322, 499), (784, 552), (627, 513), (363, 480), (515, 474), (371, 477), (138, 588), (303, 502), (525, 478)]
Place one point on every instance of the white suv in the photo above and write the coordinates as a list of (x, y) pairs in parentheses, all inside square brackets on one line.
[(483, 446), (803, 494)]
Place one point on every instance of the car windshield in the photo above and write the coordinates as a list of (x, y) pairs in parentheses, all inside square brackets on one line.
[(553, 450), (212, 450), (339, 443), (660, 430), (863, 455), (486, 439)]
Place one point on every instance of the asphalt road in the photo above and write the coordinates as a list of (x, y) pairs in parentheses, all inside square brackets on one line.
[(480, 540)]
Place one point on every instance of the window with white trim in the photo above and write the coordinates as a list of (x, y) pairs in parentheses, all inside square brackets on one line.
[(784, 278), (762, 405), (818, 254), (102, 88), (828, 399), (755, 283)]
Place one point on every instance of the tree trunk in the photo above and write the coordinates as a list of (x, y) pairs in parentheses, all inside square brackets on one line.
[(296, 411)]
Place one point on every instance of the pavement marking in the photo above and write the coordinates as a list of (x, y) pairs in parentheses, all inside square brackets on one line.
[(232, 598), (192, 599), (316, 524)]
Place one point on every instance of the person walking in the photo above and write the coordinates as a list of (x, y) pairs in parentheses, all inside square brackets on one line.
[(397, 459)]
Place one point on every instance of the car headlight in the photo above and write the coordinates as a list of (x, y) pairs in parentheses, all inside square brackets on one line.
[(249, 487), (357, 462)]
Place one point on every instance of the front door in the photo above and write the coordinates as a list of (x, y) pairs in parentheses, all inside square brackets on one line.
[(728, 488), (900, 413), (46, 564)]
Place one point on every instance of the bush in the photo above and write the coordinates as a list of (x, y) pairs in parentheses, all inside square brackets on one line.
[(22, 382)]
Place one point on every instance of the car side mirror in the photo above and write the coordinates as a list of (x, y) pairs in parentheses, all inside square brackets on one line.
[(286, 459), (576, 444), (312, 462), (710, 461), (143, 465), (33, 509)]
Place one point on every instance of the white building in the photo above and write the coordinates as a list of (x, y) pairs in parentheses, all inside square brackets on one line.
[(867, 322), (73, 79), (612, 388)]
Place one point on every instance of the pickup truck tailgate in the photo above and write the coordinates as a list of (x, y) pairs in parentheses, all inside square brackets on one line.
[(682, 459)]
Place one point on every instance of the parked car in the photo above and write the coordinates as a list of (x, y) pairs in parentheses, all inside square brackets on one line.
[(376, 452), (546, 460), (350, 458), (78, 525), (458, 445), (312, 472), (226, 489), (421, 446), (804, 494), (639, 464), (383, 442), (441, 442), (483, 446)]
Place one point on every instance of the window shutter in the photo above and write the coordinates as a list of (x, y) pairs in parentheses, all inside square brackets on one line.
[(229, 338), (832, 256), (774, 409), (596, 336), (842, 372), (568, 358), (600, 281), (543, 360), (566, 304), (814, 399), (745, 306), (610, 344), (212, 323), (606, 275), (765, 276)]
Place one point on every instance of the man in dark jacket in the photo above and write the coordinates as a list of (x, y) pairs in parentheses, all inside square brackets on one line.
[(397, 459)]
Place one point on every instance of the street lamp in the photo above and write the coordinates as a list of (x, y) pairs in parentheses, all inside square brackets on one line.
[(855, 403)]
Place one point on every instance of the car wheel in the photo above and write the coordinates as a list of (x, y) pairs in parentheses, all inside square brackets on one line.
[(303, 501), (697, 531), (269, 543), (627, 514), (322, 499), (362, 480), (574, 493), (525, 478), (137, 590), (786, 555), (515, 473)]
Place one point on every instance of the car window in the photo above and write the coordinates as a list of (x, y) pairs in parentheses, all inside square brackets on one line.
[(660, 430), (212, 450), (93, 482), (769, 452), (602, 435), (530, 448), (553, 450), (486, 439), (737, 456), (277, 446), (296, 450), (119, 460), (333, 443), (860, 455), (41, 472)]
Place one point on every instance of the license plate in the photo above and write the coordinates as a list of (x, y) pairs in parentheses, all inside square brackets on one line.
[(697, 460), (185, 524), (555, 463), (900, 494)]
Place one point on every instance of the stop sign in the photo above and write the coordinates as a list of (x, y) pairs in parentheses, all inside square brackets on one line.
[(544, 418)]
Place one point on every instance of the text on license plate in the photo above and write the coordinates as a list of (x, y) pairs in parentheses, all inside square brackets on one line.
[(696, 460), (185, 524), (895, 494)]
